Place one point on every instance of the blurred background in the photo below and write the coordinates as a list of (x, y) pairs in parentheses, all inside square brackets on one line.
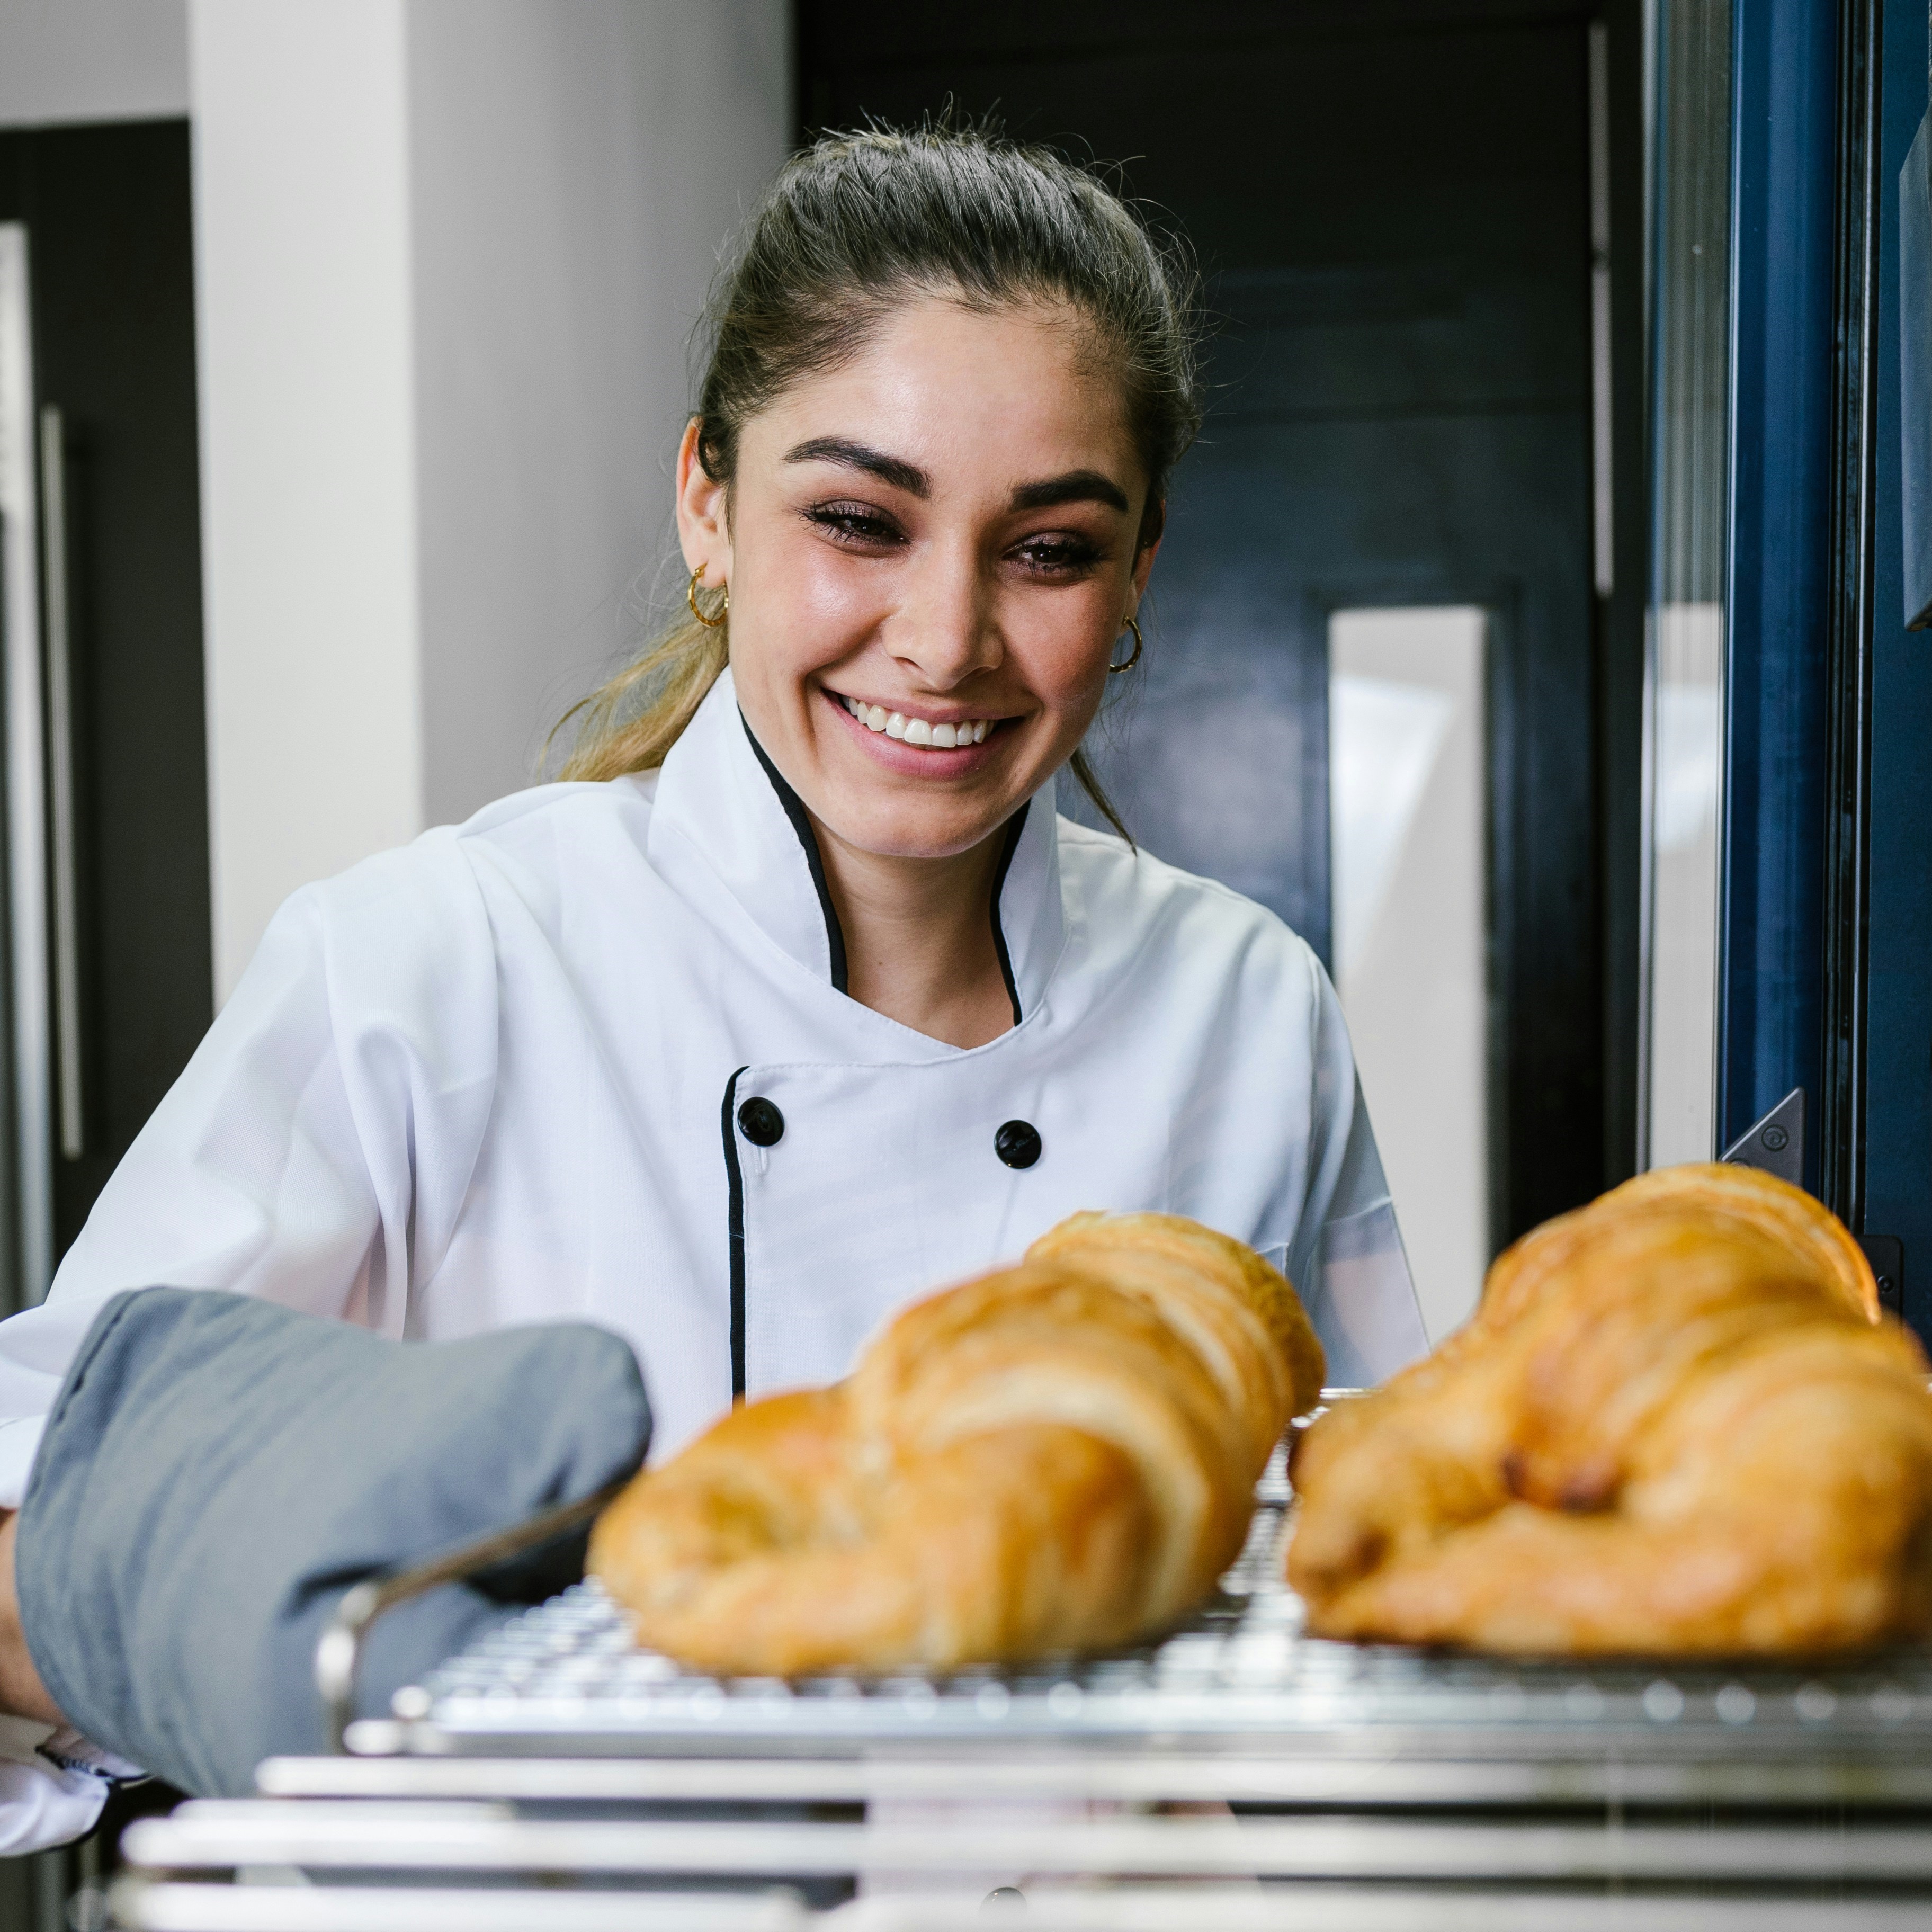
[(358, 334), (1528, 634)]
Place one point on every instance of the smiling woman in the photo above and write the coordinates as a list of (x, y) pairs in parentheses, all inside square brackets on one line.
[(797, 1000), (927, 470), (960, 567)]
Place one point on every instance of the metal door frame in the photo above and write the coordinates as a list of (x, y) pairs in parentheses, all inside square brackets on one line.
[(26, 1204)]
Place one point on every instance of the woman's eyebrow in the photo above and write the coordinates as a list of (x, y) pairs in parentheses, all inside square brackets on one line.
[(892, 470), (1077, 486)]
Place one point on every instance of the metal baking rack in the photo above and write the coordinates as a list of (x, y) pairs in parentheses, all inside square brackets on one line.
[(1239, 1681), (570, 1669), (1237, 1777)]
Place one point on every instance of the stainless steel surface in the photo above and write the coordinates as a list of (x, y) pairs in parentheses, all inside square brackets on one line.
[(1776, 1143), (339, 1651), (60, 783), (1297, 1718), (321, 1835), (1396, 1909), (147, 1905), (558, 1772), (564, 1679), (1310, 1775), (28, 1256)]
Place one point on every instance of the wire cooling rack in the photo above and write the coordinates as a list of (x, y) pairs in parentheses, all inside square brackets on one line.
[(567, 1678)]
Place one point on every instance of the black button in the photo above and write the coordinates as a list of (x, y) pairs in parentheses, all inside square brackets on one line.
[(760, 1122), (1018, 1144)]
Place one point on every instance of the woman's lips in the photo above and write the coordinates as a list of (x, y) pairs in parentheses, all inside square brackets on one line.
[(917, 755)]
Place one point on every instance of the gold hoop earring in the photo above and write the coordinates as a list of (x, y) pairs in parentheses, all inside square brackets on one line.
[(1116, 669), (723, 609)]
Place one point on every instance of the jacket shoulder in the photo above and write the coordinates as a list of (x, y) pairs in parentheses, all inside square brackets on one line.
[(405, 924), (532, 842), (574, 801), (1134, 892)]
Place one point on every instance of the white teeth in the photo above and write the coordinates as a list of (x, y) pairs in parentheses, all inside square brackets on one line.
[(918, 730)]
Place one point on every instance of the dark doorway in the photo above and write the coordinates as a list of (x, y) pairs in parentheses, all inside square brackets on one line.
[(1392, 207), (106, 210)]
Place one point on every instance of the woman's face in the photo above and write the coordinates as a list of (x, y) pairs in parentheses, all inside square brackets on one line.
[(940, 532)]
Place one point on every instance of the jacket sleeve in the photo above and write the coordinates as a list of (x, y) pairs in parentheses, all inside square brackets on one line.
[(1347, 1248), (315, 1150)]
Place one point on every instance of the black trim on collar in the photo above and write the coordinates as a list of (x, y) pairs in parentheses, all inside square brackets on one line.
[(1015, 826), (734, 1230), (794, 810)]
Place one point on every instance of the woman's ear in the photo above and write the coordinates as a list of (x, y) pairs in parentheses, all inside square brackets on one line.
[(703, 527), (1153, 526)]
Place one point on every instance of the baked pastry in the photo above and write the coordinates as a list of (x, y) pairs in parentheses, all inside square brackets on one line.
[(1061, 1456), (1678, 1424)]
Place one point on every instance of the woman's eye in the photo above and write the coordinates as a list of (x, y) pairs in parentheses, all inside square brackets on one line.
[(1057, 556), (854, 523)]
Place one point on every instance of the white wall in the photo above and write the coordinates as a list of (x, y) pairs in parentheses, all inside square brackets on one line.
[(574, 172), (449, 252), (92, 60), (308, 475)]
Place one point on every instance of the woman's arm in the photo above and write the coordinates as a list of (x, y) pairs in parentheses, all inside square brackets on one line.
[(270, 1168), (21, 1692), (249, 1176), (316, 1150)]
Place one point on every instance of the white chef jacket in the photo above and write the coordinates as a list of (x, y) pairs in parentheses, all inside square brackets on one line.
[(495, 1077)]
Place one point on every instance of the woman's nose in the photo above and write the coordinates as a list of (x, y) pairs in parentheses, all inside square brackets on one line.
[(946, 627)]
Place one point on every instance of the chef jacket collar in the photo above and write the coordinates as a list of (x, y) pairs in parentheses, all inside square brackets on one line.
[(723, 795)]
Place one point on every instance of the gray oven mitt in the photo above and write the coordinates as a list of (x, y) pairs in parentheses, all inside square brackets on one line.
[(218, 1470)]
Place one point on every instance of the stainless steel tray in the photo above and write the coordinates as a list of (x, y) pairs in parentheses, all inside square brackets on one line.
[(1238, 1776), (145, 1904), (566, 1680)]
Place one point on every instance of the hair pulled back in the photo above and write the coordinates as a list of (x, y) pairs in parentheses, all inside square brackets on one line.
[(853, 227)]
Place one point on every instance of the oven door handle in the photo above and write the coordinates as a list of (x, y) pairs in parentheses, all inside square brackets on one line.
[(61, 837)]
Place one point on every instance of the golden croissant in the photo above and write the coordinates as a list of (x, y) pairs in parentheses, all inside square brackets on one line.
[(1677, 1424), (1061, 1456)]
